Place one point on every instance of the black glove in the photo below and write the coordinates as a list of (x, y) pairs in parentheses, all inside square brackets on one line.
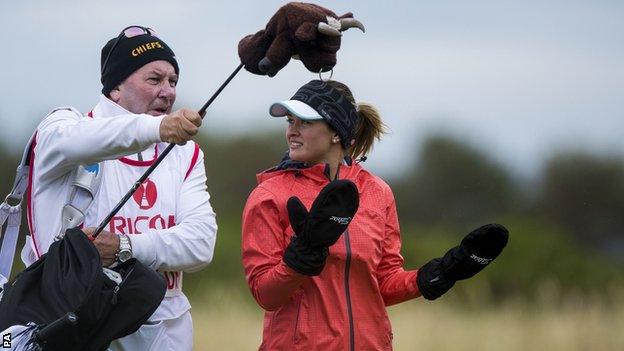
[(477, 250), (303, 259), (317, 230)]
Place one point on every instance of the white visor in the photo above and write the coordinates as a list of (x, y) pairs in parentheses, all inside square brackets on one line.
[(296, 108)]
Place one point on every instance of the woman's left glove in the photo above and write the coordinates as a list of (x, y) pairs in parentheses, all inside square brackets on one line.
[(476, 251), (317, 230)]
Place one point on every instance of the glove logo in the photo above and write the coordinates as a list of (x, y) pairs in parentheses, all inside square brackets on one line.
[(480, 260), (340, 220), (145, 195)]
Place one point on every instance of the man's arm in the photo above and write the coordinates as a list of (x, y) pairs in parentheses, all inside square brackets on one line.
[(65, 138)]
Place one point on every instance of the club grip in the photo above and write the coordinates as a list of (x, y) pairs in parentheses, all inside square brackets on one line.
[(53, 328)]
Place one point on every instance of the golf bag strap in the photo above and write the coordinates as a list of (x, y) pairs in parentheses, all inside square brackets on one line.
[(85, 185), (11, 213), (87, 180)]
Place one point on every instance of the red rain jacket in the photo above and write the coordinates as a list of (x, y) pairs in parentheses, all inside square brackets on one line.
[(344, 307)]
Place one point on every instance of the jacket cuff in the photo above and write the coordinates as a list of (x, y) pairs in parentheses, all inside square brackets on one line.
[(143, 248), (149, 131)]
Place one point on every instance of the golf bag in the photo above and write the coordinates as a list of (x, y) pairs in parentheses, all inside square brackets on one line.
[(66, 300), (105, 304)]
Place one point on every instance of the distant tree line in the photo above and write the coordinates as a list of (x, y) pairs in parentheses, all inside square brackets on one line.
[(566, 225)]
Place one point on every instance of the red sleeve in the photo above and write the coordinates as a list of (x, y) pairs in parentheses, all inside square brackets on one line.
[(263, 242), (396, 284)]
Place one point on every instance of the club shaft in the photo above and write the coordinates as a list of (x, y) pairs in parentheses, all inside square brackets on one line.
[(214, 96)]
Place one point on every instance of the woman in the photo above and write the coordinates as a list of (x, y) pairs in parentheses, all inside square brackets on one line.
[(336, 300)]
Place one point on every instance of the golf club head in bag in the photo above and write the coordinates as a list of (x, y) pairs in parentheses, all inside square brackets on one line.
[(70, 278)]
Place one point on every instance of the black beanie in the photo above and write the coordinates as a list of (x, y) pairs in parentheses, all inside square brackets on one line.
[(129, 55)]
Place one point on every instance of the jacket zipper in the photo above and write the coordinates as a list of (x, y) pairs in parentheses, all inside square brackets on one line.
[(348, 291), (346, 276), (295, 337)]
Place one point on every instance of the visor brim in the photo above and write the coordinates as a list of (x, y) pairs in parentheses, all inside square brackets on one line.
[(295, 108)]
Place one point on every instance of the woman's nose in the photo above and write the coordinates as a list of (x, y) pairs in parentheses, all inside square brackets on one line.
[(293, 128)]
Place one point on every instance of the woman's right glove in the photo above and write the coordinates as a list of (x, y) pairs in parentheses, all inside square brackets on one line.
[(317, 230), (477, 250)]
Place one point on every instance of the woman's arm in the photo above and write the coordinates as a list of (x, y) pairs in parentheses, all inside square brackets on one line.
[(270, 280)]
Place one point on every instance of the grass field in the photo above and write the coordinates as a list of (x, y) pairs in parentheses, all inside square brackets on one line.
[(227, 321)]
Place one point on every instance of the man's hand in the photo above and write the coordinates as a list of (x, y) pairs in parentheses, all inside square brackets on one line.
[(107, 245), (180, 126)]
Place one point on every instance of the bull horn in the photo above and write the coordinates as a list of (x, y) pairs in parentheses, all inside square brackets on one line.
[(346, 23), (326, 29)]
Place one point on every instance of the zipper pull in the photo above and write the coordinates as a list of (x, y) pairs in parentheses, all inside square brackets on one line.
[(115, 291)]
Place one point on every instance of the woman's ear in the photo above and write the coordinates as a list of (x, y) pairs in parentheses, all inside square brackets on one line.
[(335, 139)]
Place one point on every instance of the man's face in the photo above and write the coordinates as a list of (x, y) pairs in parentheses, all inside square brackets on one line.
[(151, 89)]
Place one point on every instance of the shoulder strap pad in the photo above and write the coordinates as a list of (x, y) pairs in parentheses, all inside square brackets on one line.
[(11, 213)]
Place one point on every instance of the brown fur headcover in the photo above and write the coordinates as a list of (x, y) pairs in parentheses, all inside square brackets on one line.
[(299, 30)]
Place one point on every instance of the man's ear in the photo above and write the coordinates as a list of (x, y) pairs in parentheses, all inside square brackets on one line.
[(115, 94)]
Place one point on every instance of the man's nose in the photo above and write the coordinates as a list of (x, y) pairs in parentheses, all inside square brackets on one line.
[(167, 91)]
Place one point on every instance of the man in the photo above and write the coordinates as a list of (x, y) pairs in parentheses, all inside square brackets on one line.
[(169, 223)]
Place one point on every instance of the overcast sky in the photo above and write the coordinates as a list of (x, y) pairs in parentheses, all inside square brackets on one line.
[(519, 78)]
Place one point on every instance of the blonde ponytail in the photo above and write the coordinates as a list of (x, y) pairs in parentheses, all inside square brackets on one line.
[(369, 127)]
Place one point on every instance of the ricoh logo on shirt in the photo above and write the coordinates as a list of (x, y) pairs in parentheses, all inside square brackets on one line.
[(145, 196), (146, 47), (140, 224)]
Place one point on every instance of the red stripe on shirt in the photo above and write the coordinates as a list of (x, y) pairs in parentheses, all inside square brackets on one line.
[(132, 162), (193, 161)]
